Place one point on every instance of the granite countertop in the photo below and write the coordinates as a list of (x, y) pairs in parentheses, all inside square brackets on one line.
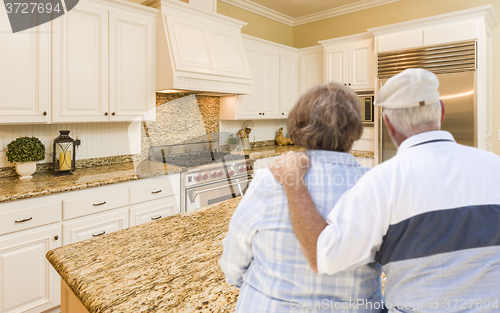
[(168, 265), (275, 150), (45, 183)]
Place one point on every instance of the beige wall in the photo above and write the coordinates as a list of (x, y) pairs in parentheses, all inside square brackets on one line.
[(258, 26)]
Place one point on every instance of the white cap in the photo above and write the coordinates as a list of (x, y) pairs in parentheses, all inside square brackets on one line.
[(413, 87)]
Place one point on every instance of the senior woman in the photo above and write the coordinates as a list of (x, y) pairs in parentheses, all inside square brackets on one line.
[(261, 253)]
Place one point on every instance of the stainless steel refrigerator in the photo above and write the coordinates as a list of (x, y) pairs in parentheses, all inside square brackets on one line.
[(457, 93)]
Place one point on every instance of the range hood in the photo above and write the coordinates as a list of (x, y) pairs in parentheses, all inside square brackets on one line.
[(199, 51)]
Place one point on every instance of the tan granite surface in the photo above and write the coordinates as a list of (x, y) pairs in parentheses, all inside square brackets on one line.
[(275, 150), (168, 265), (45, 183)]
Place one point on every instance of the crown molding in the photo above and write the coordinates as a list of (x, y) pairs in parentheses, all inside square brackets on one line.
[(256, 8), (345, 9)]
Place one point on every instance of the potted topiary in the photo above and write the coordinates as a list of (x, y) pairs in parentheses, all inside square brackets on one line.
[(24, 152)]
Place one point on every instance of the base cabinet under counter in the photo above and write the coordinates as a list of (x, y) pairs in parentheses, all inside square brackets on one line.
[(96, 226), (153, 210), (28, 283)]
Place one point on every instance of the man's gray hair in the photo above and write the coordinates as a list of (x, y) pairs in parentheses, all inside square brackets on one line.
[(411, 121)]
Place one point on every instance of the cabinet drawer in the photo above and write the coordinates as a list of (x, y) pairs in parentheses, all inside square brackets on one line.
[(34, 216), (94, 203), (153, 191), (153, 210), (94, 226)]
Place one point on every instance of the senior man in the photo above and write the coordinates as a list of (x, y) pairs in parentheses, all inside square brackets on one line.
[(430, 215)]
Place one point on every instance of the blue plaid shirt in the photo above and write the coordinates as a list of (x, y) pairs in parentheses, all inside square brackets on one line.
[(263, 257)]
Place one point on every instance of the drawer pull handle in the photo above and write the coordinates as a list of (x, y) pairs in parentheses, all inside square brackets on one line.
[(99, 234), (98, 204), (156, 191), (22, 221), (156, 217)]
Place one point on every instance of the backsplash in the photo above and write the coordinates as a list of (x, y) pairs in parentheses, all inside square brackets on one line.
[(180, 118), (99, 140)]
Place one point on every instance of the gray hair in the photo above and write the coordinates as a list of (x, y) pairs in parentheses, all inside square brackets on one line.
[(411, 121)]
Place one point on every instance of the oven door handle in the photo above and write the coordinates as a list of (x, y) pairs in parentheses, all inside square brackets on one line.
[(192, 194)]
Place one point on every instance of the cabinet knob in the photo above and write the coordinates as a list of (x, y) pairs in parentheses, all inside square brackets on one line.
[(44, 113), (113, 113), (262, 113), (349, 84), (56, 237), (106, 114), (345, 84), (282, 113)]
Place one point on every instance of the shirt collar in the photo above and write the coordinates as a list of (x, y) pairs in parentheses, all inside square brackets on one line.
[(336, 157), (423, 138)]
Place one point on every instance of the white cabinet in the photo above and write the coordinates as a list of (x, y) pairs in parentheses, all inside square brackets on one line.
[(132, 59), (25, 73), (94, 226), (89, 40), (80, 68), (289, 82), (311, 68), (264, 64), (28, 283), (275, 72), (350, 61), (153, 210)]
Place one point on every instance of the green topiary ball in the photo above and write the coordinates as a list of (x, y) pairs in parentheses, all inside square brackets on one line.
[(25, 149)]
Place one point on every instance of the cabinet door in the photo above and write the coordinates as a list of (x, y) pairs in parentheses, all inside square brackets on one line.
[(80, 68), (132, 74), (25, 73), (361, 68), (336, 64), (311, 71), (28, 283), (94, 226), (289, 82), (270, 84), (153, 210), (249, 105)]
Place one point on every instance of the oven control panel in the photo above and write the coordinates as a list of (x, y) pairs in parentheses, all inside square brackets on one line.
[(218, 174)]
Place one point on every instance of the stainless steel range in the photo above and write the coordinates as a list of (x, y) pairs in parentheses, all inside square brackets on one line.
[(211, 176)]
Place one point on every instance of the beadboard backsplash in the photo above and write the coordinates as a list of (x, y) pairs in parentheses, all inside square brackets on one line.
[(98, 139)]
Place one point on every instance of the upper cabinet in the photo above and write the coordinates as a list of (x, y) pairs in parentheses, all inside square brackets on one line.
[(96, 63), (25, 73), (350, 61), (311, 68), (80, 68), (89, 40), (275, 73)]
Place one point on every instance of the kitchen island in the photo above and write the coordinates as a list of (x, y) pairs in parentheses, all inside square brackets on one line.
[(168, 265)]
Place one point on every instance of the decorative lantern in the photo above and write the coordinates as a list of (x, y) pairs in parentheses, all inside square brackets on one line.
[(64, 154)]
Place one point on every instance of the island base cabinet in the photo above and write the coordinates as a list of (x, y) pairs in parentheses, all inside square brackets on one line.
[(69, 302), (28, 283)]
